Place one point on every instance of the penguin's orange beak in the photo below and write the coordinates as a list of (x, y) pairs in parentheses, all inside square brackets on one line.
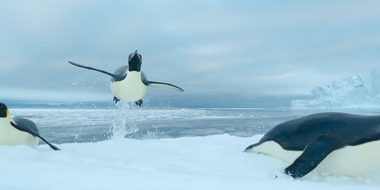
[(135, 54)]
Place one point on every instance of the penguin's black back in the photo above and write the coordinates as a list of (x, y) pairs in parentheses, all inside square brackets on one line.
[(350, 129)]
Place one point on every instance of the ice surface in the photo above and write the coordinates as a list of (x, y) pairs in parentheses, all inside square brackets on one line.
[(212, 162), (359, 91)]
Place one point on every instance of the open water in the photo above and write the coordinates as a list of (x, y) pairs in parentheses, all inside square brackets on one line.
[(93, 125)]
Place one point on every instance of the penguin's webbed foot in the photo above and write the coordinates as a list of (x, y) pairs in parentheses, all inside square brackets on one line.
[(116, 100), (139, 103)]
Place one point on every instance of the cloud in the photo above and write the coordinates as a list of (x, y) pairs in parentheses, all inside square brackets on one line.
[(214, 48), (51, 95)]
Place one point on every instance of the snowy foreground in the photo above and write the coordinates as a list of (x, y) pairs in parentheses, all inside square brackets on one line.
[(211, 162)]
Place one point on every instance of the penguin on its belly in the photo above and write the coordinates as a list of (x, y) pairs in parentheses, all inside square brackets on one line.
[(18, 131), (129, 83), (332, 143)]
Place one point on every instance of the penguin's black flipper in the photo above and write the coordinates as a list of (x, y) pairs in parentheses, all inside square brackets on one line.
[(51, 146), (313, 154), (163, 84), (116, 100), (25, 125), (252, 146), (139, 103), (90, 68), (28, 126)]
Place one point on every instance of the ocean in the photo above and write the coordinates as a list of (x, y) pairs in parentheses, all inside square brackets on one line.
[(93, 125)]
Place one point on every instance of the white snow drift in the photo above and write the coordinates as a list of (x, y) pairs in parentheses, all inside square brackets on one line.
[(212, 162)]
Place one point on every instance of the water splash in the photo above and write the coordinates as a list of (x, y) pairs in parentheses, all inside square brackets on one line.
[(150, 133), (124, 121)]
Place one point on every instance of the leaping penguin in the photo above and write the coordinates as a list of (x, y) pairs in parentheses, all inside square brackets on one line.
[(333, 143), (129, 83), (18, 131)]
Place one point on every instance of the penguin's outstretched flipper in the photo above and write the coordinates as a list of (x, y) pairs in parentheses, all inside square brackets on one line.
[(90, 68), (163, 84)]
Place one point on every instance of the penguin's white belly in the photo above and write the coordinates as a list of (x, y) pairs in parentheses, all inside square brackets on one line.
[(347, 161), (12, 137), (131, 89)]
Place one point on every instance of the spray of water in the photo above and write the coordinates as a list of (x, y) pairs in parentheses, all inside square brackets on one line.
[(123, 122)]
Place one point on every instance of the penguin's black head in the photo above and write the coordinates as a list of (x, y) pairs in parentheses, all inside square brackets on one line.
[(3, 111), (134, 62)]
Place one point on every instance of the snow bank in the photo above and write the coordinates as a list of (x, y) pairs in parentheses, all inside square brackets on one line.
[(212, 162), (359, 91)]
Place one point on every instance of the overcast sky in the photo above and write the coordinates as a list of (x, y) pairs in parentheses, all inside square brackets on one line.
[(223, 53)]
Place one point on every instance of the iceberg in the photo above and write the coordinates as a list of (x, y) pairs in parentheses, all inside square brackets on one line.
[(359, 91)]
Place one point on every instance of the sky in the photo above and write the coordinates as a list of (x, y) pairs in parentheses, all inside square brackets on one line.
[(222, 53)]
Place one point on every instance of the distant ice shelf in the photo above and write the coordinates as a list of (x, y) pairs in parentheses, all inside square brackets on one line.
[(359, 91)]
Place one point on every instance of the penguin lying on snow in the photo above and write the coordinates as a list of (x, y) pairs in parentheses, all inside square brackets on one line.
[(129, 83), (333, 143), (18, 131)]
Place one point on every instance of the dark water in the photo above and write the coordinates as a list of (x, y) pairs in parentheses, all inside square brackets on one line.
[(77, 126)]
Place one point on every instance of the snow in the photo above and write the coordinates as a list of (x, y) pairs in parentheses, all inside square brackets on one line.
[(210, 162), (359, 91)]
